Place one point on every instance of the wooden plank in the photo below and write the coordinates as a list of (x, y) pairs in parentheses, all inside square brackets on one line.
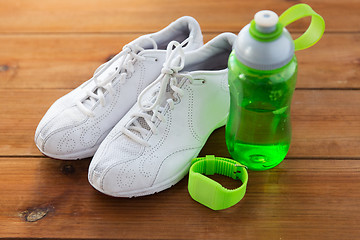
[(325, 123), (55, 61), (143, 16), (45, 198), (65, 61)]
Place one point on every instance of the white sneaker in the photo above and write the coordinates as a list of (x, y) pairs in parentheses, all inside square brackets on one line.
[(76, 124), (151, 148)]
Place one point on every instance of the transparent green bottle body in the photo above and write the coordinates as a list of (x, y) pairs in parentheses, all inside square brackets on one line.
[(258, 130)]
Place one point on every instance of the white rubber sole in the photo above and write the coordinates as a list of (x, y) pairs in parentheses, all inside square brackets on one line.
[(73, 156), (151, 190), (165, 184)]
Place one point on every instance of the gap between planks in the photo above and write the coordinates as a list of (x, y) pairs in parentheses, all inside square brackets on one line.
[(300, 89), (305, 158), (143, 32)]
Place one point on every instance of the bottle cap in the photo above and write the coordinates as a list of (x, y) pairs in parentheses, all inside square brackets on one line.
[(264, 51), (265, 26), (265, 21), (265, 44)]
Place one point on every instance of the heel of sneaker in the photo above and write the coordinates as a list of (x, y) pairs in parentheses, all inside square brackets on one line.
[(221, 123)]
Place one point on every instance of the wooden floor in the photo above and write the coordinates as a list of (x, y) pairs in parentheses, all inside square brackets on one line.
[(49, 47)]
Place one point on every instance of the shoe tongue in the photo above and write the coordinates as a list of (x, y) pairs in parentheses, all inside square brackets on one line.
[(88, 103), (143, 123), (145, 42), (168, 94)]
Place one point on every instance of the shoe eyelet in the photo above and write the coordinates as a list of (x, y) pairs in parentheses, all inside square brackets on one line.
[(176, 100), (156, 59), (128, 75), (199, 81)]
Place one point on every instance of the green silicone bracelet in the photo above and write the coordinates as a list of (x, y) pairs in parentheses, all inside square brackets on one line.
[(210, 193)]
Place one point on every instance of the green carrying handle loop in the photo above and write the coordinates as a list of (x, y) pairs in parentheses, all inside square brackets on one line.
[(315, 30)]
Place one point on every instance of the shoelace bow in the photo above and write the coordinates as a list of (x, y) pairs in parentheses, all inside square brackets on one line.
[(151, 111), (129, 54)]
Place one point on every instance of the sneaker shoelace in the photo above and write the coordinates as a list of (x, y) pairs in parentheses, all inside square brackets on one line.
[(144, 121), (127, 57)]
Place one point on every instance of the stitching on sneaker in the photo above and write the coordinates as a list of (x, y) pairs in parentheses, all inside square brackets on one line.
[(161, 141), (181, 150), (190, 113), (141, 77)]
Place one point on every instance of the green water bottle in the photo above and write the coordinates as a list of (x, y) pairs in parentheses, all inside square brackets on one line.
[(262, 78)]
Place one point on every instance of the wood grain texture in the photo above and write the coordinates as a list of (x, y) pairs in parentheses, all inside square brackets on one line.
[(65, 61), (325, 123), (298, 196), (49, 47), (144, 16)]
